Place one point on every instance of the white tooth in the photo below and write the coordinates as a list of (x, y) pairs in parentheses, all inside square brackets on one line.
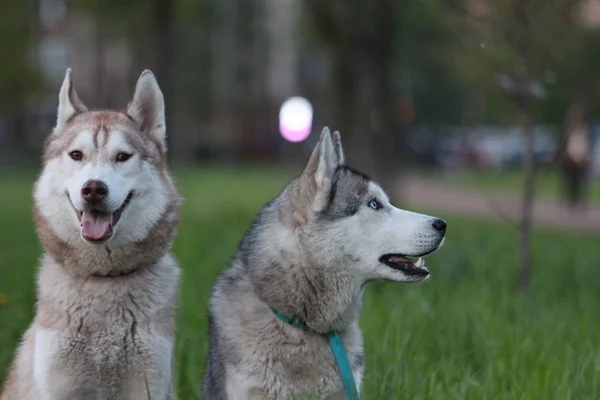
[(420, 263)]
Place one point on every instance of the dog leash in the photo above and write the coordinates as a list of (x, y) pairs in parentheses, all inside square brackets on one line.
[(338, 349)]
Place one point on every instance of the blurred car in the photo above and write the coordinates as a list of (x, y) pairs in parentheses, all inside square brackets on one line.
[(482, 146), (436, 147)]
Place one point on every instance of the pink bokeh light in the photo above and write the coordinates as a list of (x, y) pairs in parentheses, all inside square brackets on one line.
[(295, 119), (294, 135)]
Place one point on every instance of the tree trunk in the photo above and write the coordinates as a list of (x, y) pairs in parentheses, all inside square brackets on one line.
[(345, 82), (524, 99), (99, 79), (388, 136), (162, 31), (362, 38), (526, 199)]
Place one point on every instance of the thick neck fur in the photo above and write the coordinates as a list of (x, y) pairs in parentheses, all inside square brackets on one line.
[(82, 259), (310, 288)]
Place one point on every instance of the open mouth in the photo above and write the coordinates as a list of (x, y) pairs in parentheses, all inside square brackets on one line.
[(403, 263), (97, 225)]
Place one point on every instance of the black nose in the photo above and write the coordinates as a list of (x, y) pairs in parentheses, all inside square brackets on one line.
[(94, 191), (439, 225)]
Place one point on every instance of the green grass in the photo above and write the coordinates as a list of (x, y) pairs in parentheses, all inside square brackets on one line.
[(548, 183), (464, 334)]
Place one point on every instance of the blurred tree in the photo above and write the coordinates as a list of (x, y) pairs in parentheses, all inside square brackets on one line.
[(535, 35), (427, 48), (161, 32), (206, 57), (113, 20), (518, 43), (149, 28), (575, 77), (398, 62), (18, 79), (523, 94), (193, 65), (362, 37)]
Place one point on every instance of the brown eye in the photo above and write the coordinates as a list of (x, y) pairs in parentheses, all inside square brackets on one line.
[(122, 157), (76, 155)]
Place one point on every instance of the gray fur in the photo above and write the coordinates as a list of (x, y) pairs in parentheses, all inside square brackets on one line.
[(304, 255)]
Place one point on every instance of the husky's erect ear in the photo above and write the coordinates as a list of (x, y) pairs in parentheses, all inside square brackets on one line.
[(337, 144), (315, 183), (68, 101), (148, 107)]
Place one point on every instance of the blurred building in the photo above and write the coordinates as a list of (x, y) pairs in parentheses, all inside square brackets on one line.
[(230, 71)]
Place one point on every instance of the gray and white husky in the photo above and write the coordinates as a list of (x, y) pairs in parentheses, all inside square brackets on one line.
[(308, 255), (106, 210)]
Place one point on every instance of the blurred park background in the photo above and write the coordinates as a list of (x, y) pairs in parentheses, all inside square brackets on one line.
[(483, 112), (443, 86)]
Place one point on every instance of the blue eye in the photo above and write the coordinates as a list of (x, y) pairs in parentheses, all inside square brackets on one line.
[(375, 205)]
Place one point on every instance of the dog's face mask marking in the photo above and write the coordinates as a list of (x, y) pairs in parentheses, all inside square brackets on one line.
[(101, 180), (372, 237)]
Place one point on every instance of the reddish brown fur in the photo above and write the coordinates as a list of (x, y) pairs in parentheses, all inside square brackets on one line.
[(147, 263), (104, 121)]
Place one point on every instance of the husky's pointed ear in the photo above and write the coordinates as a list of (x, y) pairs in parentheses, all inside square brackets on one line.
[(148, 107), (68, 101), (337, 144), (315, 183)]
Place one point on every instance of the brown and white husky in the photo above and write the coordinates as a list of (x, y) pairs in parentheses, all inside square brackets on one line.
[(106, 211)]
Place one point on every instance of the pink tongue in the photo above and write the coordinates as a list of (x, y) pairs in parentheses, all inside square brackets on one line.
[(95, 225)]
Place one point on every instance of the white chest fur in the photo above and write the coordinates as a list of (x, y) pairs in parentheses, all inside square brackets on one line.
[(105, 338)]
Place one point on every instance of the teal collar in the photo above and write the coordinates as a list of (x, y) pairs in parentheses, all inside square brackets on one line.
[(338, 349)]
